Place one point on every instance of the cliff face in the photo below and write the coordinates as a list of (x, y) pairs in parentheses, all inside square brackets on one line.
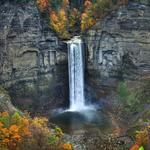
[(34, 61), (32, 58), (119, 45)]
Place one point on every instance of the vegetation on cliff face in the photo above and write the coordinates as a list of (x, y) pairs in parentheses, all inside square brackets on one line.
[(135, 102), (134, 99), (65, 17), (19, 132), (128, 98)]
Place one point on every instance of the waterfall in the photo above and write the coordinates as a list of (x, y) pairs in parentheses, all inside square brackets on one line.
[(76, 74)]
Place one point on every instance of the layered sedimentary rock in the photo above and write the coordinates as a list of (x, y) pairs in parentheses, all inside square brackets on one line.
[(32, 58), (119, 45)]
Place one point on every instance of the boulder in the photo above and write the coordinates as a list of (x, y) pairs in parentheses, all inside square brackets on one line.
[(5, 103)]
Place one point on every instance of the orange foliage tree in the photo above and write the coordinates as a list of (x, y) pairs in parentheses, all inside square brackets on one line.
[(142, 138), (13, 129), (43, 5), (59, 21), (67, 146), (64, 18), (19, 132)]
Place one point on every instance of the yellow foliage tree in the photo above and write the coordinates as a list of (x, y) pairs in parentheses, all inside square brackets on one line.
[(67, 146), (59, 22)]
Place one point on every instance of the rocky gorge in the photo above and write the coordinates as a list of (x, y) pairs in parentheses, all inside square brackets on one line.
[(34, 66), (32, 54)]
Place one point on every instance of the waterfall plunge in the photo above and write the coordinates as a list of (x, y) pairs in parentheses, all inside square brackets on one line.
[(76, 74)]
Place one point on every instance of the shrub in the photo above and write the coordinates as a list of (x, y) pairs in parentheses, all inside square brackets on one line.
[(123, 91), (144, 90), (13, 129), (128, 98), (135, 147), (102, 6), (141, 139), (23, 133)]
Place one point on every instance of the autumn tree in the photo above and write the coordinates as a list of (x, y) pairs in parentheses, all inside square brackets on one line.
[(43, 5), (59, 21), (13, 129), (19, 132), (66, 16), (87, 17)]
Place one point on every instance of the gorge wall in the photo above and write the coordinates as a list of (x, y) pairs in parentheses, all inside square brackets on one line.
[(33, 60), (119, 45)]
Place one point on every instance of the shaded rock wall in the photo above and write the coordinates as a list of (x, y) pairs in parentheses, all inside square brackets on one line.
[(31, 55), (119, 45)]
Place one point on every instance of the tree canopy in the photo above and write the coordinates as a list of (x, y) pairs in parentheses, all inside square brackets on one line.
[(67, 16)]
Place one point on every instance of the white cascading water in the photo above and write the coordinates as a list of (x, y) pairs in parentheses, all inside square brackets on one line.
[(76, 74)]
